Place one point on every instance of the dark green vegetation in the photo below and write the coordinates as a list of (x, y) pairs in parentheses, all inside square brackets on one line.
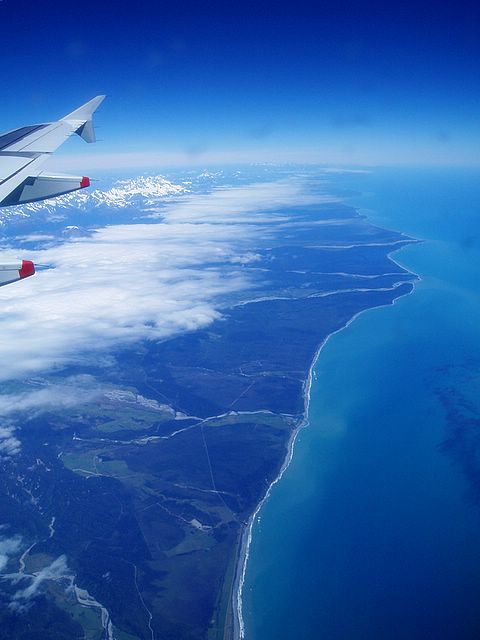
[(144, 526), (146, 499)]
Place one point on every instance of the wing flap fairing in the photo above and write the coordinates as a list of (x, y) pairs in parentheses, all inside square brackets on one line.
[(42, 187), (11, 272)]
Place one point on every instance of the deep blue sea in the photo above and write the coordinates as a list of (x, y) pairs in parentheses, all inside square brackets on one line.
[(374, 530)]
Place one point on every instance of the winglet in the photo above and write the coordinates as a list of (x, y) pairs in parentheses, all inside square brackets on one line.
[(83, 118)]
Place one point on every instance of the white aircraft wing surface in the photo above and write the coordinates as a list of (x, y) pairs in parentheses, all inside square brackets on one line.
[(24, 151)]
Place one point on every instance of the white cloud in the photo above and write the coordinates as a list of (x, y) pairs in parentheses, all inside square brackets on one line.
[(71, 392), (246, 258), (133, 282), (126, 283), (57, 570), (34, 237), (241, 205), (117, 160), (9, 444), (396, 149), (8, 547)]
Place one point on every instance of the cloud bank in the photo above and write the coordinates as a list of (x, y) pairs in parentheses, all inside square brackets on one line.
[(70, 392), (57, 570), (9, 444), (8, 547), (126, 283)]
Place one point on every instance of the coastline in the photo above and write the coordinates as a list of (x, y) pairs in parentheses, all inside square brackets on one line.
[(236, 604)]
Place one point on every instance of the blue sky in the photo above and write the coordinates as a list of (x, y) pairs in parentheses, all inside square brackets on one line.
[(335, 82)]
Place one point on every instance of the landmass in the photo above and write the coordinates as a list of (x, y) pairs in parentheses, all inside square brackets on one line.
[(128, 514)]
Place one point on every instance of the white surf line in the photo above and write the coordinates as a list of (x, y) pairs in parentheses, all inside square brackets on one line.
[(399, 264), (239, 580)]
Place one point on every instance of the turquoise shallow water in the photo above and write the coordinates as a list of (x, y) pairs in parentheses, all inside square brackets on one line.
[(374, 530)]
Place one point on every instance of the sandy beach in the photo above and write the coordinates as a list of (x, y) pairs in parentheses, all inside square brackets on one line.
[(237, 631)]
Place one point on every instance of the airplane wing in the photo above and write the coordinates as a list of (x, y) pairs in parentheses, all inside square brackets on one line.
[(24, 151), (16, 271)]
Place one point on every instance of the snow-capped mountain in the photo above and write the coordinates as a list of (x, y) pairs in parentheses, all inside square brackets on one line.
[(141, 192)]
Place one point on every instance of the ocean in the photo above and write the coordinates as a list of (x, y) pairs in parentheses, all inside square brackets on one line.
[(374, 529)]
